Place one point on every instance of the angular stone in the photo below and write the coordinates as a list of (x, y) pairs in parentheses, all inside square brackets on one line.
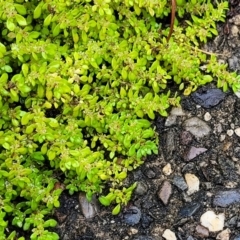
[(237, 131), (224, 235), (197, 127), (132, 215), (167, 170), (194, 152), (171, 120), (192, 182), (207, 116), (189, 209), (208, 98), (213, 222), (89, 209), (170, 144), (226, 198), (169, 235), (180, 182), (141, 188), (202, 231), (165, 192)]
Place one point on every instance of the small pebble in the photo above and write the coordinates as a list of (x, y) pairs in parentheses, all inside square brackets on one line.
[(202, 231), (207, 116), (208, 98), (189, 209), (179, 182), (171, 120), (226, 198), (89, 209), (132, 215), (192, 182), (222, 137), (165, 192), (194, 152), (224, 235), (167, 170), (213, 222), (237, 132), (230, 132), (236, 20), (234, 31), (149, 173), (141, 188), (133, 231), (197, 127), (169, 235)]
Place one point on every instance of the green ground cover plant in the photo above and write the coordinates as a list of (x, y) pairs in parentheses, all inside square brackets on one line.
[(80, 82)]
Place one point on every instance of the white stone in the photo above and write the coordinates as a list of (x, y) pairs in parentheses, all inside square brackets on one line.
[(213, 222), (230, 132), (171, 120), (133, 231), (222, 137), (237, 131), (167, 170), (177, 111), (169, 235), (192, 182), (234, 31), (224, 235), (207, 116)]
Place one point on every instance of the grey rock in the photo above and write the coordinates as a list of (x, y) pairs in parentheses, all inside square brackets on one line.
[(141, 188), (226, 198), (233, 63), (197, 127), (208, 98), (165, 192), (170, 144), (132, 215), (179, 182), (194, 152), (171, 120), (89, 209), (149, 173), (189, 209)]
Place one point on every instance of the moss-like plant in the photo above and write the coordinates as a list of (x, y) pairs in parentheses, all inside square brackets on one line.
[(80, 82)]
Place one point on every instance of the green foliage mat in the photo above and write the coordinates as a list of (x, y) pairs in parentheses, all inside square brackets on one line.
[(80, 82)]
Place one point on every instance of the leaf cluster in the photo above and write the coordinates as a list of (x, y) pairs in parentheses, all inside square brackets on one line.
[(80, 82)]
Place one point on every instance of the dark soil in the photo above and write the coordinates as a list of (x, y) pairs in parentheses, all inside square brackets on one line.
[(162, 199)]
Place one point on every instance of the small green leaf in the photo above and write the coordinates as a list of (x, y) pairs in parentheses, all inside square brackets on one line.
[(116, 210), (21, 20), (10, 25), (104, 201), (38, 11)]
